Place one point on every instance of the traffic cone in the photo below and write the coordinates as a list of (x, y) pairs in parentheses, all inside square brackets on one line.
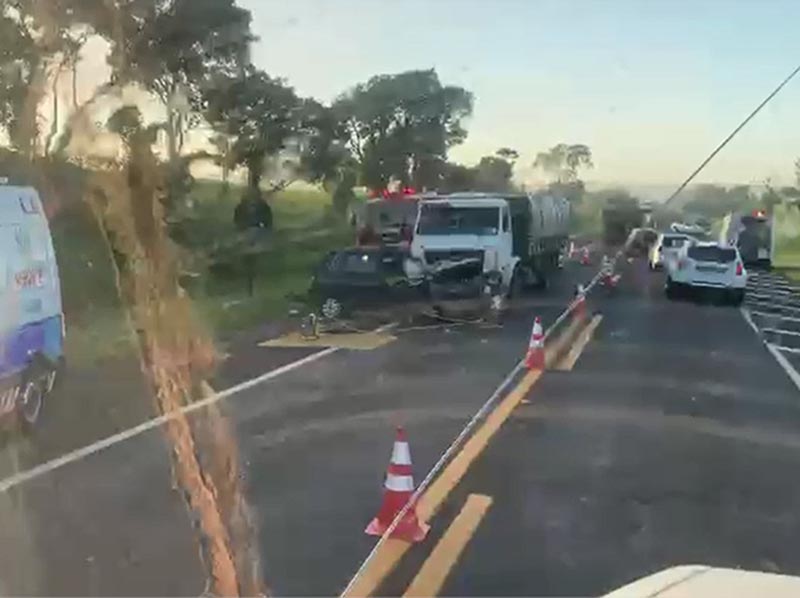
[(397, 490), (585, 257), (534, 358), (580, 302)]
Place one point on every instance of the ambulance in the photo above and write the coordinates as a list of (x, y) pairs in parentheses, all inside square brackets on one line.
[(31, 319)]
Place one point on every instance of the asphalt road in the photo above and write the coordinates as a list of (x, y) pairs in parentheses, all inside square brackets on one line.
[(314, 443), (675, 440)]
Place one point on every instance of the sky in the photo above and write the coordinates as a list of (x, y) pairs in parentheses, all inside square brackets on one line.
[(651, 86)]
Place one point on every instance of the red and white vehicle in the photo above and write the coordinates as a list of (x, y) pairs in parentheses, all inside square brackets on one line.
[(389, 218)]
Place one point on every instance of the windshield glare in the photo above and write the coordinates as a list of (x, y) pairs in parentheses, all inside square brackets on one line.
[(450, 220)]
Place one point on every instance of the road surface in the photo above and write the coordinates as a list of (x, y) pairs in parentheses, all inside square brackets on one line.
[(673, 439)]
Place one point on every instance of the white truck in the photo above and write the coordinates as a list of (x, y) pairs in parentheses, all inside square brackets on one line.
[(753, 234), (517, 239)]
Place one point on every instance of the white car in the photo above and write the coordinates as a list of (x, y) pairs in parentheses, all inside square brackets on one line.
[(666, 249), (708, 266)]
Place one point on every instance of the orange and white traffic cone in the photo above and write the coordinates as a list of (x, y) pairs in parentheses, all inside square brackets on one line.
[(579, 303), (586, 259), (398, 488), (534, 358)]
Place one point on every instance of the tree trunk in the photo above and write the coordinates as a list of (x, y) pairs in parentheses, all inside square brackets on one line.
[(75, 83), (174, 354), (54, 116)]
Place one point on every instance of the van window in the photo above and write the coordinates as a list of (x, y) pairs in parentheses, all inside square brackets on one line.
[(505, 220), (673, 242)]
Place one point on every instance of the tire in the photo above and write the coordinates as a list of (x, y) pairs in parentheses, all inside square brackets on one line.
[(671, 290), (737, 298), (31, 399), (517, 284), (331, 308)]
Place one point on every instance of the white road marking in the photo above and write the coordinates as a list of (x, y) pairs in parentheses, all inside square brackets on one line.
[(781, 331), (794, 376), (749, 320), (766, 314), (784, 363), (786, 349), (47, 467), (778, 305)]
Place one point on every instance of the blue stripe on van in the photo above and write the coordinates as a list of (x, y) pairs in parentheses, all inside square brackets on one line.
[(20, 344)]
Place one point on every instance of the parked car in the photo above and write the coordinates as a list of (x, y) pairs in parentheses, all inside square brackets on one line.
[(362, 277), (708, 267), (666, 249)]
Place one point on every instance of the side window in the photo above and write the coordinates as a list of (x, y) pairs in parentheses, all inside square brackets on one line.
[(334, 262), (505, 220)]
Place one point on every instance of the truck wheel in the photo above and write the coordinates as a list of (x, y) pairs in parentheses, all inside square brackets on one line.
[(517, 284)]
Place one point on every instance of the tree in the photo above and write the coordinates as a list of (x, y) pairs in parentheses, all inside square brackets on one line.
[(457, 177), (493, 174), (507, 154), (400, 126), (564, 161), (260, 114), (38, 39)]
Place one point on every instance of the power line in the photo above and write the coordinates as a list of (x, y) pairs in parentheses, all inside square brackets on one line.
[(732, 135)]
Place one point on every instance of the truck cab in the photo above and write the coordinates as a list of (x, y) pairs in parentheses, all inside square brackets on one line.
[(454, 229), (517, 238)]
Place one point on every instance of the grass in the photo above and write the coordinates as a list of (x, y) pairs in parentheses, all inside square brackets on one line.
[(304, 231), (787, 241)]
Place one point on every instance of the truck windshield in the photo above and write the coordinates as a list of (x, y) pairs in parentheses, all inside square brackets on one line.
[(451, 220)]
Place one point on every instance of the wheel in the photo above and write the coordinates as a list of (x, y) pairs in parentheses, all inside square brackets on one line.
[(517, 284), (737, 297), (30, 402), (332, 308), (671, 290)]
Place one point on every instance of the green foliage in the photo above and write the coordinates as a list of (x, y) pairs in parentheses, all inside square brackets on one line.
[(564, 161), (258, 112), (401, 126), (714, 201), (493, 174)]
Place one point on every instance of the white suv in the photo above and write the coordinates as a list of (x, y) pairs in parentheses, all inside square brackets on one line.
[(666, 249), (706, 266)]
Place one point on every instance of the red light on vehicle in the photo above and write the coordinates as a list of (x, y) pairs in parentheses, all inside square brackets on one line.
[(409, 191), (385, 193), (372, 193), (739, 268), (759, 213)]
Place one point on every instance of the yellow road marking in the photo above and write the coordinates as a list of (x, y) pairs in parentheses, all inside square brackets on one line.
[(359, 341), (390, 553), (555, 349), (567, 362), (437, 566)]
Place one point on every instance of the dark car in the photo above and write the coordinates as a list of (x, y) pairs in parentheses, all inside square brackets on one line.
[(362, 277)]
